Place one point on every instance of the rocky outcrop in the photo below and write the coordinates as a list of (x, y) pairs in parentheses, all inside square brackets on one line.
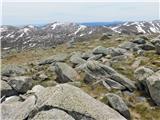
[(77, 103), (17, 110), (153, 85), (6, 89), (118, 104), (13, 70), (53, 114), (21, 84), (96, 71), (55, 58), (65, 73), (141, 74)]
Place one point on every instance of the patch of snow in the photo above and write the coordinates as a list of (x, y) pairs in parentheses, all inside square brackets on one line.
[(90, 32), (26, 30), (2, 29), (1, 37), (30, 26), (153, 29), (82, 27), (6, 48), (81, 35), (55, 25), (8, 35), (21, 35), (140, 29), (32, 44), (115, 29), (12, 36)]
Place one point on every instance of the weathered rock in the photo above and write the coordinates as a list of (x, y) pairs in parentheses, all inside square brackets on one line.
[(12, 99), (6, 89), (139, 41), (56, 58), (17, 110), (153, 84), (43, 77), (21, 84), (53, 114), (87, 55), (141, 74), (13, 70), (96, 71), (104, 37), (118, 104), (147, 46), (115, 85), (95, 57), (130, 85), (76, 59), (65, 73), (157, 48), (100, 50), (36, 89), (129, 46), (117, 51), (156, 40), (75, 102)]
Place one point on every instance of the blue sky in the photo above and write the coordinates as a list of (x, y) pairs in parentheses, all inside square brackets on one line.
[(21, 13)]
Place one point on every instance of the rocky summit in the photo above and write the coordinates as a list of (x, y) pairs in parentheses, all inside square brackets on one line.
[(67, 71)]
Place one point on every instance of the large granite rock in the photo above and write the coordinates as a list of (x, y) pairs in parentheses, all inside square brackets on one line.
[(61, 57), (96, 71), (53, 114), (65, 73), (75, 102), (13, 70), (141, 74), (118, 104), (153, 84), (76, 59), (6, 89), (17, 110), (21, 84)]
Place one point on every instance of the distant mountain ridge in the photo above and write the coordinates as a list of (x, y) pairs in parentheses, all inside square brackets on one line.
[(30, 36), (108, 24)]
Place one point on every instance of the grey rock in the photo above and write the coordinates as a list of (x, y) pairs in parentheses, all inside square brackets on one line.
[(61, 57), (118, 104), (128, 46), (157, 48), (100, 50), (95, 57), (141, 74), (76, 103), (115, 85), (13, 70), (53, 114), (147, 46), (96, 71), (17, 110), (139, 41), (87, 55), (117, 51), (12, 99), (43, 77), (6, 89), (130, 85), (21, 84), (153, 84), (76, 59), (155, 41), (65, 73)]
